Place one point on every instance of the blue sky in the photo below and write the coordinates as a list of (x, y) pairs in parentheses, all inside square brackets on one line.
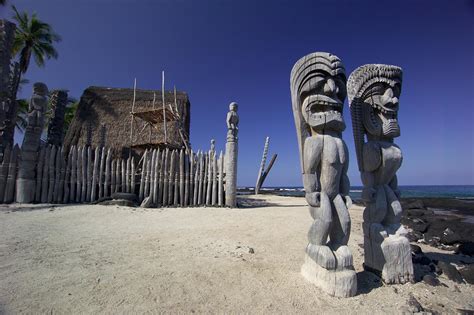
[(243, 51)]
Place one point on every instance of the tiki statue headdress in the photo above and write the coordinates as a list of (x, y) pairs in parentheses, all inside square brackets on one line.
[(312, 108), (373, 92)]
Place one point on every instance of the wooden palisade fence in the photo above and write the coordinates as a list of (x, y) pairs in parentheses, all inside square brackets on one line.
[(86, 175)]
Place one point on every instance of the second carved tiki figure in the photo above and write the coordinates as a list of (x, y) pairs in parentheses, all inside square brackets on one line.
[(318, 91), (374, 92)]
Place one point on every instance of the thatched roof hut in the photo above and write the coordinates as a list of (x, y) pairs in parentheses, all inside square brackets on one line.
[(103, 118)]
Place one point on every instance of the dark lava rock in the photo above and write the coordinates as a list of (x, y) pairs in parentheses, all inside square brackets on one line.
[(468, 273), (102, 199), (450, 237), (414, 236), (125, 196), (421, 259), (416, 212), (419, 225), (118, 202), (449, 231), (450, 271), (430, 280), (466, 249), (410, 204), (251, 250), (413, 304), (434, 268), (415, 249), (433, 241), (420, 271)]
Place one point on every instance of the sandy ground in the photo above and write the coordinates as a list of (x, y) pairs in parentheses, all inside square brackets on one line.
[(110, 259)]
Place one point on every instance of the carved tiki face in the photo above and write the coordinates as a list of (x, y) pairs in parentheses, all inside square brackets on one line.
[(321, 96), (374, 92), (318, 90), (380, 109), (233, 107), (375, 89)]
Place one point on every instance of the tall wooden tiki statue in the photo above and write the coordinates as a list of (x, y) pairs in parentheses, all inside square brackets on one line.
[(318, 91), (374, 92)]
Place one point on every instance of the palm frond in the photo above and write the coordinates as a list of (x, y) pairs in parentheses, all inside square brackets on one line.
[(33, 37)]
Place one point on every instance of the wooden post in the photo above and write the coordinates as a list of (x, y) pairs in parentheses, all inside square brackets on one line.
[(181, 178), (265, 173), (118, 176), (124, 177), (146, 191), (67, 178), (201, 178), (165, 178), (127, 176), (262, 164), (164, 107), (112, 177), (132, 113), (156, 175), (72, 188), (221, 181), (62, 175), (107, 188), (101, 172), (79, 174), (4, 172), (11, 176), (186, 178), (171, 179), (160, 180), (51, 174), (95, 175), (57, 173), (132, 179), (39, 174), (89, 174), (142, 177), (191, 177), (152, 174), (176, 180), (196, 179), (214, 180), (207, 177), (84, 174), (45, 179)]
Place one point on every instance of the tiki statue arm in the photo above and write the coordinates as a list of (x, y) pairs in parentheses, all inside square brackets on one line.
[(311, 159), (345, 183), (372, 156)]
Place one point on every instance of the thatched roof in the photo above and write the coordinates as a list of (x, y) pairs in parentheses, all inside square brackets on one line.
[(103, 118)]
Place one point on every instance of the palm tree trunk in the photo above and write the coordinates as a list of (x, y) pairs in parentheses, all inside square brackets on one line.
[(12, 113)]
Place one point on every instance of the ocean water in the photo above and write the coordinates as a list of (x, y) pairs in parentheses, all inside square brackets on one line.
[(455, 191)]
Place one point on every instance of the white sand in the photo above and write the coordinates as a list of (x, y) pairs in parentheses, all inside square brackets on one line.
[(109, 259)]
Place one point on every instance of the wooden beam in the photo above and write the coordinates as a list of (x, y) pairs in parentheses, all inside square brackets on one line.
[(163, 100)]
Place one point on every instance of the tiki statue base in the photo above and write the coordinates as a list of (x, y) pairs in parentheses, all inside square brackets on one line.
[(336, 282), (389, 257)]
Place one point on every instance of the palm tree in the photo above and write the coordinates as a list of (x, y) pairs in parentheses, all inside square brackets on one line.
[(33, 37)]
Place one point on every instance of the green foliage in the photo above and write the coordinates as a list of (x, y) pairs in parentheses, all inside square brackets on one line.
[(33, 38), (70, 112)]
